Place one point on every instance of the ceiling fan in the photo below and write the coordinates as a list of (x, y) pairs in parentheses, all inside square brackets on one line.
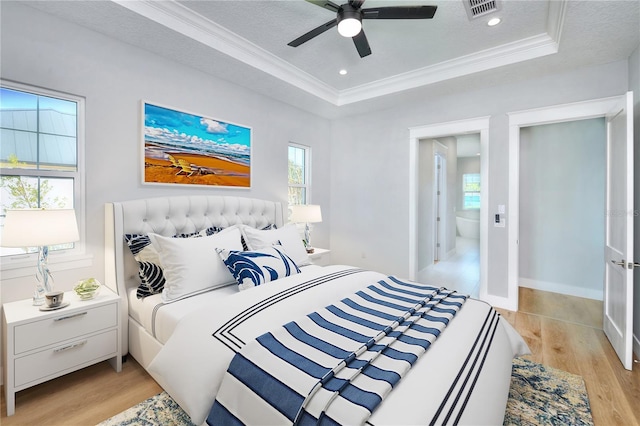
[(349, 20)]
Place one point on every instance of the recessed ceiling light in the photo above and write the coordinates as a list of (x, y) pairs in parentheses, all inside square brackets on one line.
[(343, 72), (493, 22)]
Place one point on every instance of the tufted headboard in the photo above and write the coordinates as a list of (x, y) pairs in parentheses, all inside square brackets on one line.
[(170, 216)]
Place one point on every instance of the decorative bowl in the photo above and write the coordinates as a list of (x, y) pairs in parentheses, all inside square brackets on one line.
[(87, 289)]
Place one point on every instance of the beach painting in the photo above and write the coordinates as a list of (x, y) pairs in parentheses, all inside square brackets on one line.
[(188, 149)]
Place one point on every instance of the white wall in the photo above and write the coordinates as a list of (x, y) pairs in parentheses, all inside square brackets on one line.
[(562, 206), (41, 50), (370, 218)]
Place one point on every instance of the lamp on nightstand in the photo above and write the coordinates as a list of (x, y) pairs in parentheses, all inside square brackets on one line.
[(306, 213), (40, 228)]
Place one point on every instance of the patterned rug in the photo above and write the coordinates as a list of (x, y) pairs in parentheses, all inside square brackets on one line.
[(539, 395), (542, 395)]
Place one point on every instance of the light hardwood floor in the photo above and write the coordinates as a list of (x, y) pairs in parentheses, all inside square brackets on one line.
[(82, 398), (565, 332), (89, 396)]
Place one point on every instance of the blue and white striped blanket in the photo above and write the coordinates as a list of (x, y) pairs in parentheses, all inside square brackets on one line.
[(335, 365)]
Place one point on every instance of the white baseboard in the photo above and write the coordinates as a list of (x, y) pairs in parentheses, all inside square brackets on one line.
[(571, 290)]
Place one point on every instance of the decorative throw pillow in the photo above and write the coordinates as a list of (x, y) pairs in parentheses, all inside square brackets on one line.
[(253, 268), (288, 236), (190, 265), (149, 268)]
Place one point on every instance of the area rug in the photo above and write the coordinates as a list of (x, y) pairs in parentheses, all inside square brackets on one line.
[(538, 395), (541, 395)]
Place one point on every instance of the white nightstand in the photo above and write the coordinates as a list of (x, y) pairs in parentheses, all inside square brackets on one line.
[(39, 346), (320, 256)]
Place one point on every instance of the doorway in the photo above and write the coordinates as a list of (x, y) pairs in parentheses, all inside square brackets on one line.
[(562, 205), (449, 210), (618, 277), (479, 127)]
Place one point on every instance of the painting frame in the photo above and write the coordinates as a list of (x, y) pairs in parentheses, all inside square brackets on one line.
[(183, 148)]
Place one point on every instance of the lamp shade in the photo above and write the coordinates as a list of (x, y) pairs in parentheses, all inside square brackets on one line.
[(306, 213), (39, 227)]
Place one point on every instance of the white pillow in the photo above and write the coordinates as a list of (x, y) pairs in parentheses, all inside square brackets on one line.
[(288, 236), (191, 265)]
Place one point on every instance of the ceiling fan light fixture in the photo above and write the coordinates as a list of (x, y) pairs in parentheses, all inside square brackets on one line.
[(349, 21)]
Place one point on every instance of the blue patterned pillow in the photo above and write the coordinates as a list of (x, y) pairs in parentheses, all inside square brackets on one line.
[(149, 269), (253, 268)]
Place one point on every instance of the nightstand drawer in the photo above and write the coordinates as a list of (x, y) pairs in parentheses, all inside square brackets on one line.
[(64, 357), (67, 325)]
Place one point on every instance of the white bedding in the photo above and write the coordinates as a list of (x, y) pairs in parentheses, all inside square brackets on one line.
[(159, 319), (194, 359)]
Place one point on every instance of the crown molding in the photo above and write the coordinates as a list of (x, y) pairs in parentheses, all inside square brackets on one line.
[(521, 50), (177, 17)]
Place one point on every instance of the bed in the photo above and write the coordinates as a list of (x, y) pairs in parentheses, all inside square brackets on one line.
[(223, 354)]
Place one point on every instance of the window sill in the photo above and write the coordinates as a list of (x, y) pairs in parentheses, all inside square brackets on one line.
[(17, 267)]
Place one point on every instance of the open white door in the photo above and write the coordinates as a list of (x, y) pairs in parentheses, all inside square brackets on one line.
[(618, 289)]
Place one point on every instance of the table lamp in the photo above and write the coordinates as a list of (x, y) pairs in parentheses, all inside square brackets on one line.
[(41, 228), (306, 213)]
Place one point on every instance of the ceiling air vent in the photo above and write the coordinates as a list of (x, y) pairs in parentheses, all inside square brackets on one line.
[(478, 8)]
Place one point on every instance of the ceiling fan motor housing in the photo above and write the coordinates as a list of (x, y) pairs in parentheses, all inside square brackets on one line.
[(346, 27)]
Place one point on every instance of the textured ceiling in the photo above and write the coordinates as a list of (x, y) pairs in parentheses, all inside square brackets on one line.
[(397, 46), (245, 41)]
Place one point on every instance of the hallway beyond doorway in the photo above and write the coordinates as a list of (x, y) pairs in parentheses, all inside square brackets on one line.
[(460, 272)]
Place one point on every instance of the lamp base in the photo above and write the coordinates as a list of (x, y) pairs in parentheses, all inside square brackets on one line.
[(44, 285), (38, 299)]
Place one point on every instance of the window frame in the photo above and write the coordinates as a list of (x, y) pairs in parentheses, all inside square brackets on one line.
[(20, 265), (464, 193), (307, 171)]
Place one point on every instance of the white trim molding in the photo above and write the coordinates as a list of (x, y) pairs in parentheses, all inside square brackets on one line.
[(179, 18), (555, 287), (518, 51)]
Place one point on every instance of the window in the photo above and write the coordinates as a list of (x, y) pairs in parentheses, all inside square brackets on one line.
[(41, 142), (471, 191), (299, 174)]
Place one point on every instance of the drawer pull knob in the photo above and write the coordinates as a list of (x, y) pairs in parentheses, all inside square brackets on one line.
[(70, 316), (66, 348)]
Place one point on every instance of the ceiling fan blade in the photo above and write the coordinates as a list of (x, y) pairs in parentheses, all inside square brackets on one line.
[(325, 4), (314, 32), (399, 12), (360, 40)]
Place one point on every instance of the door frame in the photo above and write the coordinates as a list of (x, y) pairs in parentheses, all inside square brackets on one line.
[(546, 115), (452, 128), (439, 200)]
